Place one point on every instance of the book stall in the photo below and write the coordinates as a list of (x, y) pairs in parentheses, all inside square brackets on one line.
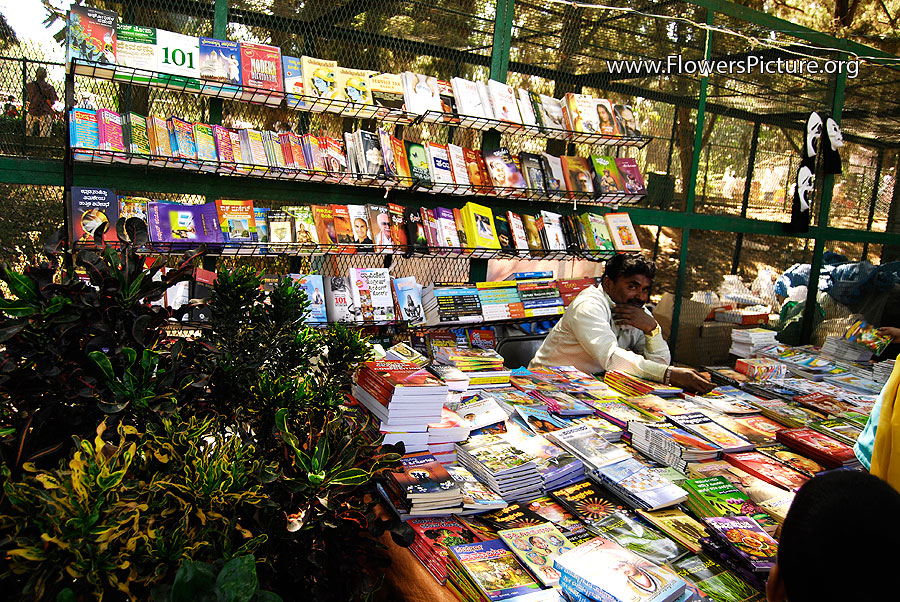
[(357, 195)]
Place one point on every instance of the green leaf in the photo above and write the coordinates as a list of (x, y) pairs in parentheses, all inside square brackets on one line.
[(66, 595), (352, 476), (17, 308), (104, 364), (20, 285), (321, 453), (316, 478), (191, 580), (264, 596), (237, 582)]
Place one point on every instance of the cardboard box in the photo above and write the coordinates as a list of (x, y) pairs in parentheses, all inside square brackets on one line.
[(693, 314)]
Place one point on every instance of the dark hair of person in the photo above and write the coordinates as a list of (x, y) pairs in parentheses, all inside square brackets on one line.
[(627, 264), (828, 549)]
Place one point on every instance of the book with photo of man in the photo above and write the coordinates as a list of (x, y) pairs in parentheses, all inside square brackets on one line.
[(502, 169), (380, 228), (627, 120), (578, 174), (220, 62), (608, 179)]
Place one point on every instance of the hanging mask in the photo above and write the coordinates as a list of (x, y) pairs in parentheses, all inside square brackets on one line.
[(804, 187), (831, 158), (813, 133)]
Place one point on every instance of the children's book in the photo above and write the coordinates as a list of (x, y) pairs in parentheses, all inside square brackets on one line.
[(91, 36), (319, 82)]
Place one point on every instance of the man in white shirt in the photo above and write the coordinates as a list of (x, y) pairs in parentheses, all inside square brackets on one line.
[(606, 328)]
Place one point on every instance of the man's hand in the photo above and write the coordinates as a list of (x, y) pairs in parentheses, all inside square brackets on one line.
[(690, 380), (890, 331), (632, 315)]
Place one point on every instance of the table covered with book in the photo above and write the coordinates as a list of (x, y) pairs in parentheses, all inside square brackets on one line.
[(551, 484)]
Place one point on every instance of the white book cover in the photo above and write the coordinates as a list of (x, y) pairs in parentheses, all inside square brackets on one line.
[(458, 165), (439, 163), (556, 179), (552, 112), (517, 229), (503, 99), (553, 228), (352, 160), (447, 233), (339, 300), (420, 92), (136, 48), (468, 99), (359, 224), (371, 288), (486, 100), (177, 54), (526, 111), (622, 232)]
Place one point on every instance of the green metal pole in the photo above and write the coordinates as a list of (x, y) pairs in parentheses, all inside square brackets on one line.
[(873, 201), (809, 312), (503, 22), (691, 192), (748, 185), (220, 30)]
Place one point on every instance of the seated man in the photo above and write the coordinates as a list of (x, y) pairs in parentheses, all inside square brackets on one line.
[(834, 524), (607, 328)]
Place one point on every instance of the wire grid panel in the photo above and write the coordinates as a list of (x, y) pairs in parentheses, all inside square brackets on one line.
[(31, 214)]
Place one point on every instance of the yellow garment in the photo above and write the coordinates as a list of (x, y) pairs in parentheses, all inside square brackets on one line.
[(886, 453)]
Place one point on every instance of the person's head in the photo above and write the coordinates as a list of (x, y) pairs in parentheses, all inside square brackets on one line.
[(384, 222), (627, 279), (623, 566), (497, 169), (360, 229), (829, 530), (603, 114), (40, 74)]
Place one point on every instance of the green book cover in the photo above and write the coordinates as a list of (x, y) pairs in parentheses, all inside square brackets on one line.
[(724, 499), (139, 142), (714, 580), (641, 539)]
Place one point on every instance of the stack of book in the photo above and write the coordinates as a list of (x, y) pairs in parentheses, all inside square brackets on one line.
[(487, 571), (403, 396), (500, 300), (820, 447), (854, 383), (540, 298), (677, 525), (741, 544), (536, 546), (745, 342), (480, 411), (483, 367), (840, 429), (477, 498), (881, 371), (717, 496), (433, 538), (588, 445), (839, 348), (600, 569), (639, 485), (632, 385), (504, 468), (569, 288), (423, 487), (671, 445), (443, 436), (451, 303), (709, 580), (557, 466), (620, 413), (703, 426)]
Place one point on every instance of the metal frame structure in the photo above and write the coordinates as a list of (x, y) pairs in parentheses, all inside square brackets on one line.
[(19, 170)]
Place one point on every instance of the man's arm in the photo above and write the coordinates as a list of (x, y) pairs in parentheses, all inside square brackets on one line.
[(591, 325)]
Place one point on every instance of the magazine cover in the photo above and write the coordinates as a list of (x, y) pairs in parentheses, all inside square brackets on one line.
[(747, 538), (220, 61), (237, 221), (767, 469), (537, 546)]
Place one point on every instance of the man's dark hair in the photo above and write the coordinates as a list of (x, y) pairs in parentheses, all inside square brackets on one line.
[(828, 549), (628, 264)]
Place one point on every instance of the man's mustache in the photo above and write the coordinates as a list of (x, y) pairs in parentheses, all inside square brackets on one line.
[(635, 302)]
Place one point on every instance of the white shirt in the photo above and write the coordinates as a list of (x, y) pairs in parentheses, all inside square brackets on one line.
[(588, 338)]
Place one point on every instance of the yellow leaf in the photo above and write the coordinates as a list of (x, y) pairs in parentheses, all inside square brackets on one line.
[(47, 481), (63, 545), (201, 516)]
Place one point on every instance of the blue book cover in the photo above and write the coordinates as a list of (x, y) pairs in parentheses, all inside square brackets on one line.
[(408, 293), (189, 224), (220, 66), (494, 569), (315, 292), (530, 275), (541, 421), (84, 131), (293, 82), (260, 214)]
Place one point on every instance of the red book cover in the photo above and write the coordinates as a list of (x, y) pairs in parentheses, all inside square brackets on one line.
[(823, 403), (261, 67), (402, 374), (430, 227), (439, 533), (398, 231), (478, 173), (820, 446), (400, 160), (342, 228), (767, 469)]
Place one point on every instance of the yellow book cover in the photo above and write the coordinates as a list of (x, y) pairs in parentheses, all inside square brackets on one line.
[(319, 79), (353, 86), (479, 224)]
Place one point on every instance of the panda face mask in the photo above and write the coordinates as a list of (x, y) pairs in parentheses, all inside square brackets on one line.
[(804, 186), (813, 133), (834, 134)]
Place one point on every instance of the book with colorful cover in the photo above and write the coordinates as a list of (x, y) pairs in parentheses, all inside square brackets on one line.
[(84, 131), (417, 158), (493, 569), (181, 138), (641, 484), (504, 173), (91, 210), (632, 180), (261, 74), (643, 540), (537, 546), (587, 502), (747, 538), (839, 429), (540, 421), (622, 232), (578, 175), (513, 516), (220, 66), (189, 224), (705, 427), (398, 230), (477, 497), (438, 534), (717, 496), (206, 146), (136, 49), (827, 450), (371, 288), (767, 469), (280, 225), (237, 221), (782, 453), (91, 35), (607, 176), (408, 293), (109, 124), (594, 569), (292, 72), (423, 477), (715, 581)]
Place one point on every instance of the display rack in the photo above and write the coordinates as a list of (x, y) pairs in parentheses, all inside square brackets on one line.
[(316, 104)]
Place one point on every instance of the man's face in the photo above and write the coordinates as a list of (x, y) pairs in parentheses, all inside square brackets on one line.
[(359, 228), (384, 222), (631, 290), (624, 568)]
